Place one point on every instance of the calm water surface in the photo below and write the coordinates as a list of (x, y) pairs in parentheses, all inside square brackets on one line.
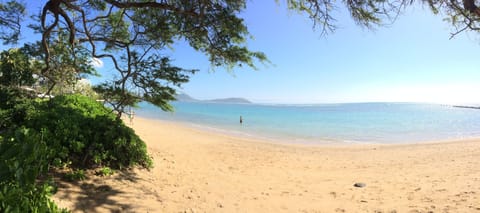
[(356, 122)]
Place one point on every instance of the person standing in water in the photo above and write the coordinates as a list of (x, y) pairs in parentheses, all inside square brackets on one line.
[(130, 116), (241, 120)]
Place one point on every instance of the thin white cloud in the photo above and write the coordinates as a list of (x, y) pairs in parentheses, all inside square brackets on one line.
[(96, 62)]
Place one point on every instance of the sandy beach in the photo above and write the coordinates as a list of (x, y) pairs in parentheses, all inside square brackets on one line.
[(198, 171)]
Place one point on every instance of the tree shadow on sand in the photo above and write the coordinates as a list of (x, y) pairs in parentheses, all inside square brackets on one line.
[(96, 193)]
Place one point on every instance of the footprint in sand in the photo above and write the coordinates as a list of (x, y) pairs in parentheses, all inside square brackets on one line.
[(333, 194)]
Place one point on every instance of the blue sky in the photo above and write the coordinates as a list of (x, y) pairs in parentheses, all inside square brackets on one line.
[(412, 60)]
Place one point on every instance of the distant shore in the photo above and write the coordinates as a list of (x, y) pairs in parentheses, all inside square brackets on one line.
[(466, 107), (199, 171)]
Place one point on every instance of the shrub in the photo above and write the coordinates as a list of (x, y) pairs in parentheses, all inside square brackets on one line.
[(30, 198), (85, 134), (16, 106), (76, 175), (105, 171), (23, 158), (64, 131)]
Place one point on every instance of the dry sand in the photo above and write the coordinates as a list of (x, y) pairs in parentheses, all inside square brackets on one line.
[(197, 171)]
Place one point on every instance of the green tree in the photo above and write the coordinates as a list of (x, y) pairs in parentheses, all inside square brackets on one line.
[(11, 15), (136, 36), (68, 64), (15, 68)]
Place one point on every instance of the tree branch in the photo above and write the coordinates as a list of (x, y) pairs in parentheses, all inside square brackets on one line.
[(470, 6), (157, 5)]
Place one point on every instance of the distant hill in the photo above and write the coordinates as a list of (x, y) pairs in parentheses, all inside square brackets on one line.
[(231, 100), (186, 98)]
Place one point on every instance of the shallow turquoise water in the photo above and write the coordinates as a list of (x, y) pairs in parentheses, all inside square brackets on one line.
[(356, 122)]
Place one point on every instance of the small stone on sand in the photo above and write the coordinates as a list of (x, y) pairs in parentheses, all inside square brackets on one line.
[(359, 185)]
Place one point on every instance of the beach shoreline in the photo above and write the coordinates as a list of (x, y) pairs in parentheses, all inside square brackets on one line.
[(378, 123), (201, 171), (313, 143)]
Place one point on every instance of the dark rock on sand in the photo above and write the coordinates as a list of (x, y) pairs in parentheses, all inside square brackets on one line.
[(359, 185)]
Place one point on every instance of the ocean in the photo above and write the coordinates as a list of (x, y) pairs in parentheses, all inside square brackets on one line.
[(383, 123)]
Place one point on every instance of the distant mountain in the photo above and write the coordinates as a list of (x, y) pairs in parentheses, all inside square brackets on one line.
[(231, 100), (186, 98)]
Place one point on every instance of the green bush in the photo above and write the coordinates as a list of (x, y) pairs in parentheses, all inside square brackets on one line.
[(83, 133), (23, 158), (31, 198), (72, 131), (105, 171), (76, 175), (16, 106)]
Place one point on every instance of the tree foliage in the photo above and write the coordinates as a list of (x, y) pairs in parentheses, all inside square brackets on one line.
[(16, 106), (462, 15), (68, 63), (136, 36), (16, 69), (23, 158), (11, 15)]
